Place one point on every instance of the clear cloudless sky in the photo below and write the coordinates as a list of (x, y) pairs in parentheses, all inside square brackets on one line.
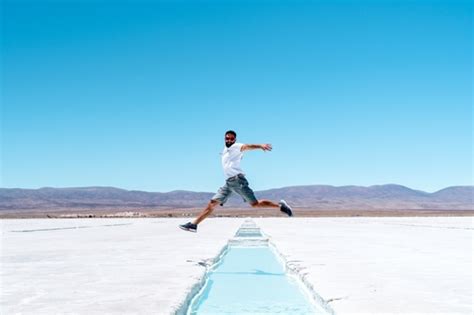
[(138, 94)]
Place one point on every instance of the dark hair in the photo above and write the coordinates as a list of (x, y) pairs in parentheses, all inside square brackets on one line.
[(232, 132)]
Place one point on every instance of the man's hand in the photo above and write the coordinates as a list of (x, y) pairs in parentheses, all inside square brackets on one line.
[(264, 147)]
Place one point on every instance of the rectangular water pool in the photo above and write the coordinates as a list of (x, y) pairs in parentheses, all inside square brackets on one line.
[(251, 280)]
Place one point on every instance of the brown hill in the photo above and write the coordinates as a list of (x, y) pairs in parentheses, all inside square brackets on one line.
[(315, 197)]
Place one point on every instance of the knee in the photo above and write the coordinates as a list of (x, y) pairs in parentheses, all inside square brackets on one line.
[(212, 204)]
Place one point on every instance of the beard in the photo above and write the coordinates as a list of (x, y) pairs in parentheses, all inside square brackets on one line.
[(229, 144)]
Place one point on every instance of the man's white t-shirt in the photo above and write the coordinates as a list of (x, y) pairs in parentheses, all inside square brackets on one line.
[(231, 160)]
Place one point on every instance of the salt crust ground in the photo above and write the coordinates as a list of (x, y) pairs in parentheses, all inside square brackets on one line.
[(382, 265), (145, 266)]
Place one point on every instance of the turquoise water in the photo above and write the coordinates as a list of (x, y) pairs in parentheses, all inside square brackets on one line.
[(249, 232), (251, 280)]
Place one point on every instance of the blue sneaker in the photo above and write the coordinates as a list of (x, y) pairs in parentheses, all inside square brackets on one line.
[(285, 208), (189, 227)]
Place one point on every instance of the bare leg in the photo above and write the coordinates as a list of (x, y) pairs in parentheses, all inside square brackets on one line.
[(204, 214), (268, 204), (264, 204)]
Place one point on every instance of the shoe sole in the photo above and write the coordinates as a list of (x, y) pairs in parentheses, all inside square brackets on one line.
[(189, 230), (290, 214)]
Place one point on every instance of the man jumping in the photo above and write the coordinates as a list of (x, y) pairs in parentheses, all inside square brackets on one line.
[(236, 181)]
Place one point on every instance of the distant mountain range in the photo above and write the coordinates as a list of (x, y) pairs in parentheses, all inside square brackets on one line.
[(312, 197)]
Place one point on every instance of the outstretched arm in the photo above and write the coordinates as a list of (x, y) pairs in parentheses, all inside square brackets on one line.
[(264, 147)]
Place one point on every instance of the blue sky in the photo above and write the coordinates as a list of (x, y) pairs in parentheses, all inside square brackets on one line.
[(138, 94)]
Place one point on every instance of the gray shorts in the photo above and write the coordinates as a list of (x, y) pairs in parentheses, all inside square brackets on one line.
[(237, 184)]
